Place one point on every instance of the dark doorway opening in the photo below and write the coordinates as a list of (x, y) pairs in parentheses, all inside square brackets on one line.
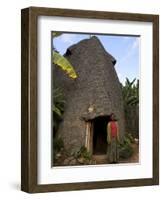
[(100, 135)]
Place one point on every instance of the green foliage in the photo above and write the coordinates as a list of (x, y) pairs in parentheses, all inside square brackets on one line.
[(130, 137), (130, 92), (125, 148), (83, 152), (58, 145), (64, 64), (58, 106), (56, 34), (126, 151)]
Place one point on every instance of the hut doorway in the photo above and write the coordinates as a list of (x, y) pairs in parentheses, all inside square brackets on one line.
[(100, 135), (96, 135)]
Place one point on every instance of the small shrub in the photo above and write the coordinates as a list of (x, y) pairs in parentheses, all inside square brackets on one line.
[(130, 137), (125, 148), (83, 152), (125, 152), (57, 146)]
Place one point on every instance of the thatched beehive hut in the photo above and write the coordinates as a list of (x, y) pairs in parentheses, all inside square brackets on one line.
[(90, 98)]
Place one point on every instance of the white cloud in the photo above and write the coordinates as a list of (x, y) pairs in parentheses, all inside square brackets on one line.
[(135, 44), (68, 38), (131, 50)]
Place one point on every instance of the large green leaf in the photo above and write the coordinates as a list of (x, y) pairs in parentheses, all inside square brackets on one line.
[(64, 64), (130, 92), (57, 111)]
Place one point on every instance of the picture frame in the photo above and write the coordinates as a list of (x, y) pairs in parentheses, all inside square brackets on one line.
[(29, 99)]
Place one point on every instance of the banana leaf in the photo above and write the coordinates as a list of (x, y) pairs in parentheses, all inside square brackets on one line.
[(64, 64)]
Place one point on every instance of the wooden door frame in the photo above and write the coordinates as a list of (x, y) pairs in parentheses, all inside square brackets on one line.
[(89, 136)]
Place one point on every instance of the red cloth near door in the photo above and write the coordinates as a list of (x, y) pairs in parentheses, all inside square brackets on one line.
[(113, 127)]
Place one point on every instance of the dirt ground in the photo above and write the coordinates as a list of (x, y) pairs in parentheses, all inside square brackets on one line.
[(102, 159), (97, 159)]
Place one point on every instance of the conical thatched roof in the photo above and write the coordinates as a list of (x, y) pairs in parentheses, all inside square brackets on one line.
[(96, 91)]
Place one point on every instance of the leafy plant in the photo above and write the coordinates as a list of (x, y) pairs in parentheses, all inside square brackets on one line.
[(83, 152), (130, 92), (58, 106), (130, 137), (125, 148), (126, 151), (62, 62), (58, 145)]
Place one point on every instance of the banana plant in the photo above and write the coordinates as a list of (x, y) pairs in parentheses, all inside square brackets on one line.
[(58, 106), (130, 93), (62, 62), (58, 97)]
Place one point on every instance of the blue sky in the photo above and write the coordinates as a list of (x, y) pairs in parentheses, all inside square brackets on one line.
[(125, 50)]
